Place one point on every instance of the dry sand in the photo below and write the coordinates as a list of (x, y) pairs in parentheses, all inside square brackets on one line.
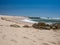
[(25, 36)]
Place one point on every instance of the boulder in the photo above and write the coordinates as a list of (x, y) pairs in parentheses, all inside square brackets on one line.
[(41, 25)]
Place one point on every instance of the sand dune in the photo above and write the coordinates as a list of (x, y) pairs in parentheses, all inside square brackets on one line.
[(25, 36)]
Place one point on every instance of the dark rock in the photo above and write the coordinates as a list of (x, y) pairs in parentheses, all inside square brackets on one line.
[(41, 26)]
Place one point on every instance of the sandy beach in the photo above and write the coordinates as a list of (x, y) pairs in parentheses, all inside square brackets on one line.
[(25, 36)]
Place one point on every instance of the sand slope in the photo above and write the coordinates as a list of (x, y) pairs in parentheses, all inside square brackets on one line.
[(25, 36)]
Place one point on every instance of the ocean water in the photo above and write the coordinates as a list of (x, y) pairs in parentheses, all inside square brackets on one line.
[(44, 19)]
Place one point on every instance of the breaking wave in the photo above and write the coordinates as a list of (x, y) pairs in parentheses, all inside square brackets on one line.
[(42, 19)]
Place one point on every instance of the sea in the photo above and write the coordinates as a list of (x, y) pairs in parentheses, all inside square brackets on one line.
[(47, 20)]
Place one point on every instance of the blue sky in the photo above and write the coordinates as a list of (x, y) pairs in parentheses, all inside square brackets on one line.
[(41, 8)]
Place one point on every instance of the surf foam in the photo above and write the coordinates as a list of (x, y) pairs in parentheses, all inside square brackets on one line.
[(29, 20)]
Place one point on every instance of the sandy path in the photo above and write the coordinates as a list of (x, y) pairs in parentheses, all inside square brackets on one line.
[(26, 36)]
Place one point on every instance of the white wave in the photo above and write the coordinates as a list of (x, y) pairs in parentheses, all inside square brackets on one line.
[(29, 20), (49, 18), (56, 18)]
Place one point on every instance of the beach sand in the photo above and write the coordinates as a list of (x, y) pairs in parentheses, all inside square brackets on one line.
[(25, 36)]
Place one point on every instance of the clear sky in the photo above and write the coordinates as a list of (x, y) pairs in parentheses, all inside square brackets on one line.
[(41, 8)]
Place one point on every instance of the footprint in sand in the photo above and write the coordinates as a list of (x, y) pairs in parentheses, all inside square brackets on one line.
[(29, 38), (0, 31), (1, 25), (13, 40), (58, 42), (3, 37), (25, 37), (53, 42), (45, 43), (37, 37)]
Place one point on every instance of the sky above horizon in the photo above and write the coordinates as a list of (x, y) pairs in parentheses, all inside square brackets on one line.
[(41, 8)]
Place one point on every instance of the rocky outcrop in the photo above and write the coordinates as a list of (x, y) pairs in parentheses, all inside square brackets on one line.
[(42, 25), (56, 26)]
